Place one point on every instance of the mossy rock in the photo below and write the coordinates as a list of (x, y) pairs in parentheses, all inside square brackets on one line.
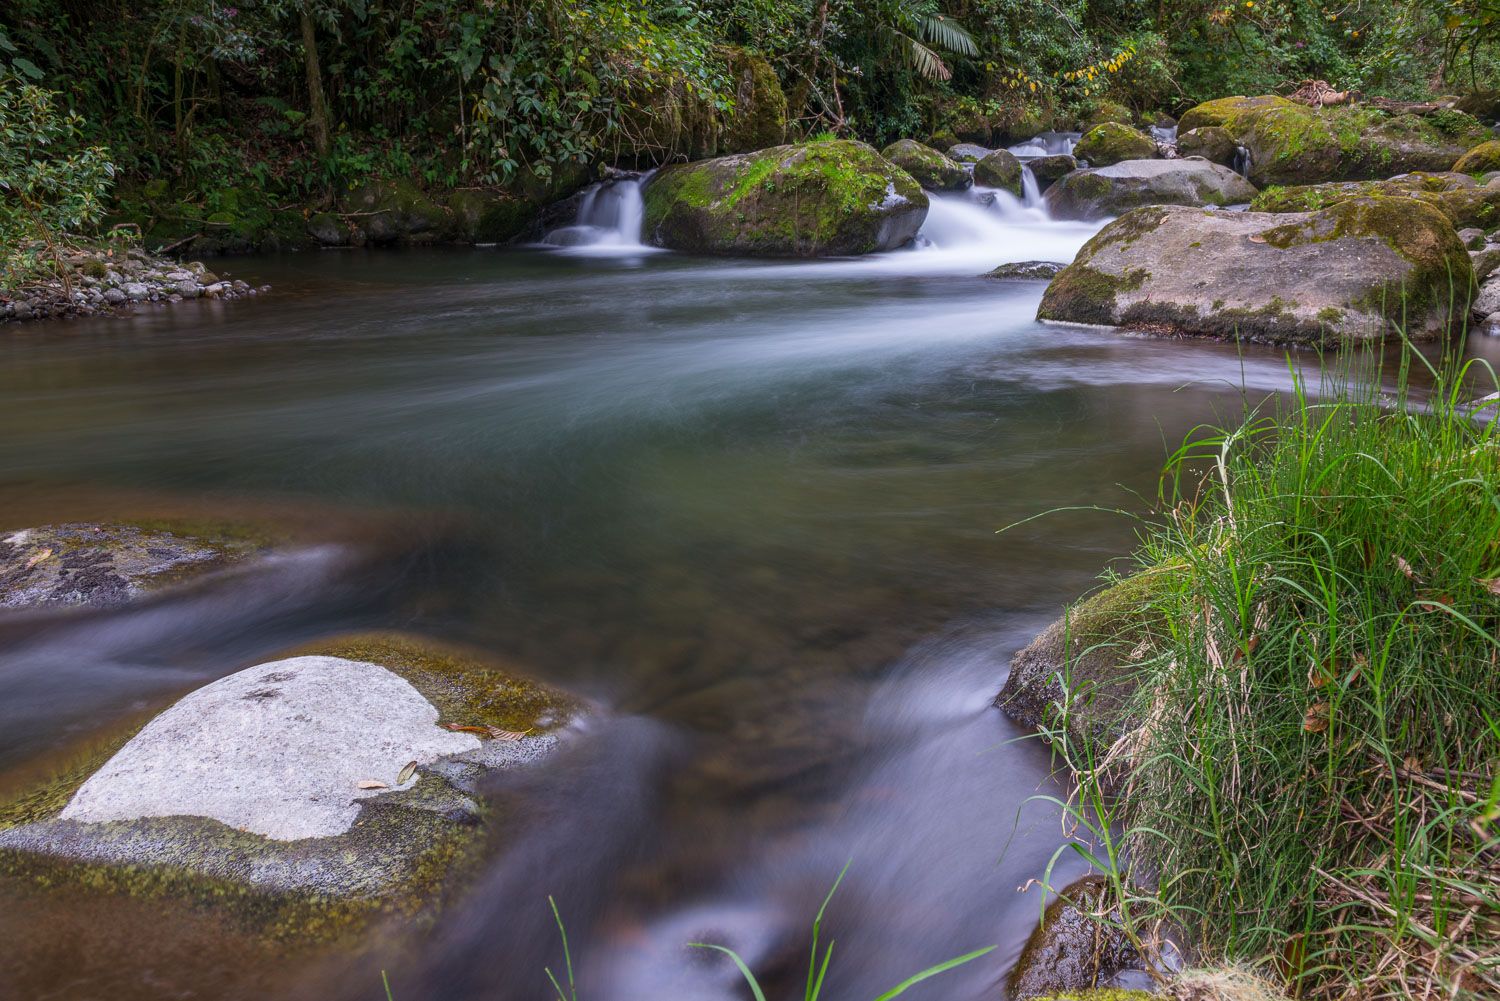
[(931, 169), (1048, 170), (1456, 195), (1105, 191), (1071, 952), (1360, 270), (1110, 143), (102, 563), (1481, 159), (395, 211), (483, 216), (1106, 112), (1291, 143), (759, 116), (999, 169), (1210, 142), (813, 199), (1082, 669), (113, 819)]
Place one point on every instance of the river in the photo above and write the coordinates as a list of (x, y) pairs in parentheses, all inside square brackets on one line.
[(750, 509)]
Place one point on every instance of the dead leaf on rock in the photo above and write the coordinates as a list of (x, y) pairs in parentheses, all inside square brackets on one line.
[(371, 784), (406, 773), (492, 732), (39, 557)]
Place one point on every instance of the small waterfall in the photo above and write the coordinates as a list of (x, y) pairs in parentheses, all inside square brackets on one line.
[(1164, 134), (1031, 192), (1046, 144), (1241, 162), (609, 219)]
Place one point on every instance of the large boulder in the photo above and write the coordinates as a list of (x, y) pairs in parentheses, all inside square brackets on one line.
[(387, 212), (999, 169), (100, 563), (1352, 272), (321, 780), (816, 199), (930, 169), (1107, 191), (1481, 159), (1108, 111), (1211, 142), (1458, 196), (484, 216), (758, 118), (1111, 143), (968, 152), (1291, 143)]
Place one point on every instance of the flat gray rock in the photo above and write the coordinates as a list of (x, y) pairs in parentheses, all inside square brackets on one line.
[(1107, 191), (278, 750)]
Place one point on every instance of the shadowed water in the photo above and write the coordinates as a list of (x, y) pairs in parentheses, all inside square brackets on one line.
[(749, 508)]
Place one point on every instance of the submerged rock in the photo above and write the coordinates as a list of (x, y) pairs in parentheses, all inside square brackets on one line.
[(816, 199), (99, 564), (999, 169), (1291, 143), (1106, 191), (312, 778), (1111, 142), (930, 169), (1073, 947), (1029, 270), (1352, 272)]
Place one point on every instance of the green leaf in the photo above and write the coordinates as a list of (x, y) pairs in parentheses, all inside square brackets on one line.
[(933, 971), (760, 995), (27, 66)]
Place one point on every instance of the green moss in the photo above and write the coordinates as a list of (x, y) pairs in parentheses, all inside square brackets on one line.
[(1111, 142), (1481, 159), (1100, 994), (759, 116), (927, 166), (1083, 294)]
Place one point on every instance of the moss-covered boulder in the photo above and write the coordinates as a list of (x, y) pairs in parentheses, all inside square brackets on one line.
[(758, 118), (1074, 948), (386, 212), (1107, 111), (931, 169), (1458, 196), (814, 199), (999, 169), (1107, 191), (968, 152), (1481, 159), (1081, 670), (1351, 272), (1291, 143), (1210, 142), (297, 793), (100, 563), (485, 216), (1049, 169), (1111, 142)]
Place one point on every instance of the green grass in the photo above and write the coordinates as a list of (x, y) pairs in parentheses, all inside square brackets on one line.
[(1310, 778)]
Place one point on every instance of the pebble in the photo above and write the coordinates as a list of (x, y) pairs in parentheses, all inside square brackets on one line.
[(136, 278)]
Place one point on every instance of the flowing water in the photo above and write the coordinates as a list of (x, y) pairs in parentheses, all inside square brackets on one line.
[(748, 508)]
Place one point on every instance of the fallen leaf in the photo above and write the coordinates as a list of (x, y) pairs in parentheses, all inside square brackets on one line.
[(499, 734), (406, 773), (1490, 584), (370, 784), (483, 731), (1316, 720), (1404, 567), (38, 558), (1257, 238)]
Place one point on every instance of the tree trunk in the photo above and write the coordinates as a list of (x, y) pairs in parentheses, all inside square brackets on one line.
[(318, 110)]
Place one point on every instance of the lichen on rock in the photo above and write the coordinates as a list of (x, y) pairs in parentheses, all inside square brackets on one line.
[(1111, 142), (930, 169)]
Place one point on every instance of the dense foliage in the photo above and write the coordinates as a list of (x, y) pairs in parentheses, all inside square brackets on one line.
[(227, 102)]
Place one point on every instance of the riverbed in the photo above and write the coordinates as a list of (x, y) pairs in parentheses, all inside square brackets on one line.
[(752, 510)]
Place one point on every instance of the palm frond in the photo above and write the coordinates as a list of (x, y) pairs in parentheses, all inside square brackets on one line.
[(947, 33), (926, 62)]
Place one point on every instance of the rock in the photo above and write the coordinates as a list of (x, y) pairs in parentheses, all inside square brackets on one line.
[(114, 296), (1072, 950), (999, 169), (1211, 142), (1487, 299), (328, 229), (1485, 261), (813, 199), (1095, 646), (760, 111), (1111, 143), (1457, 196), (395, 210), (1291, 143), (1028, 270), (1481, 159), (1472, 238), (482, 216), (931, 169), (1342, 274), (1108, 112), (284, 780), (1092, 194), (968, 153), (136, 291), (101, 564), (187, 289), (1048, 169)]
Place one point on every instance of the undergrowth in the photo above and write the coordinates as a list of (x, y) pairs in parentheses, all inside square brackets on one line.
[(1309, 776)]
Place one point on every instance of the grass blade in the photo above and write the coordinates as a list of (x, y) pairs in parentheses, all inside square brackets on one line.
[(760, 995), (933, 971)]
